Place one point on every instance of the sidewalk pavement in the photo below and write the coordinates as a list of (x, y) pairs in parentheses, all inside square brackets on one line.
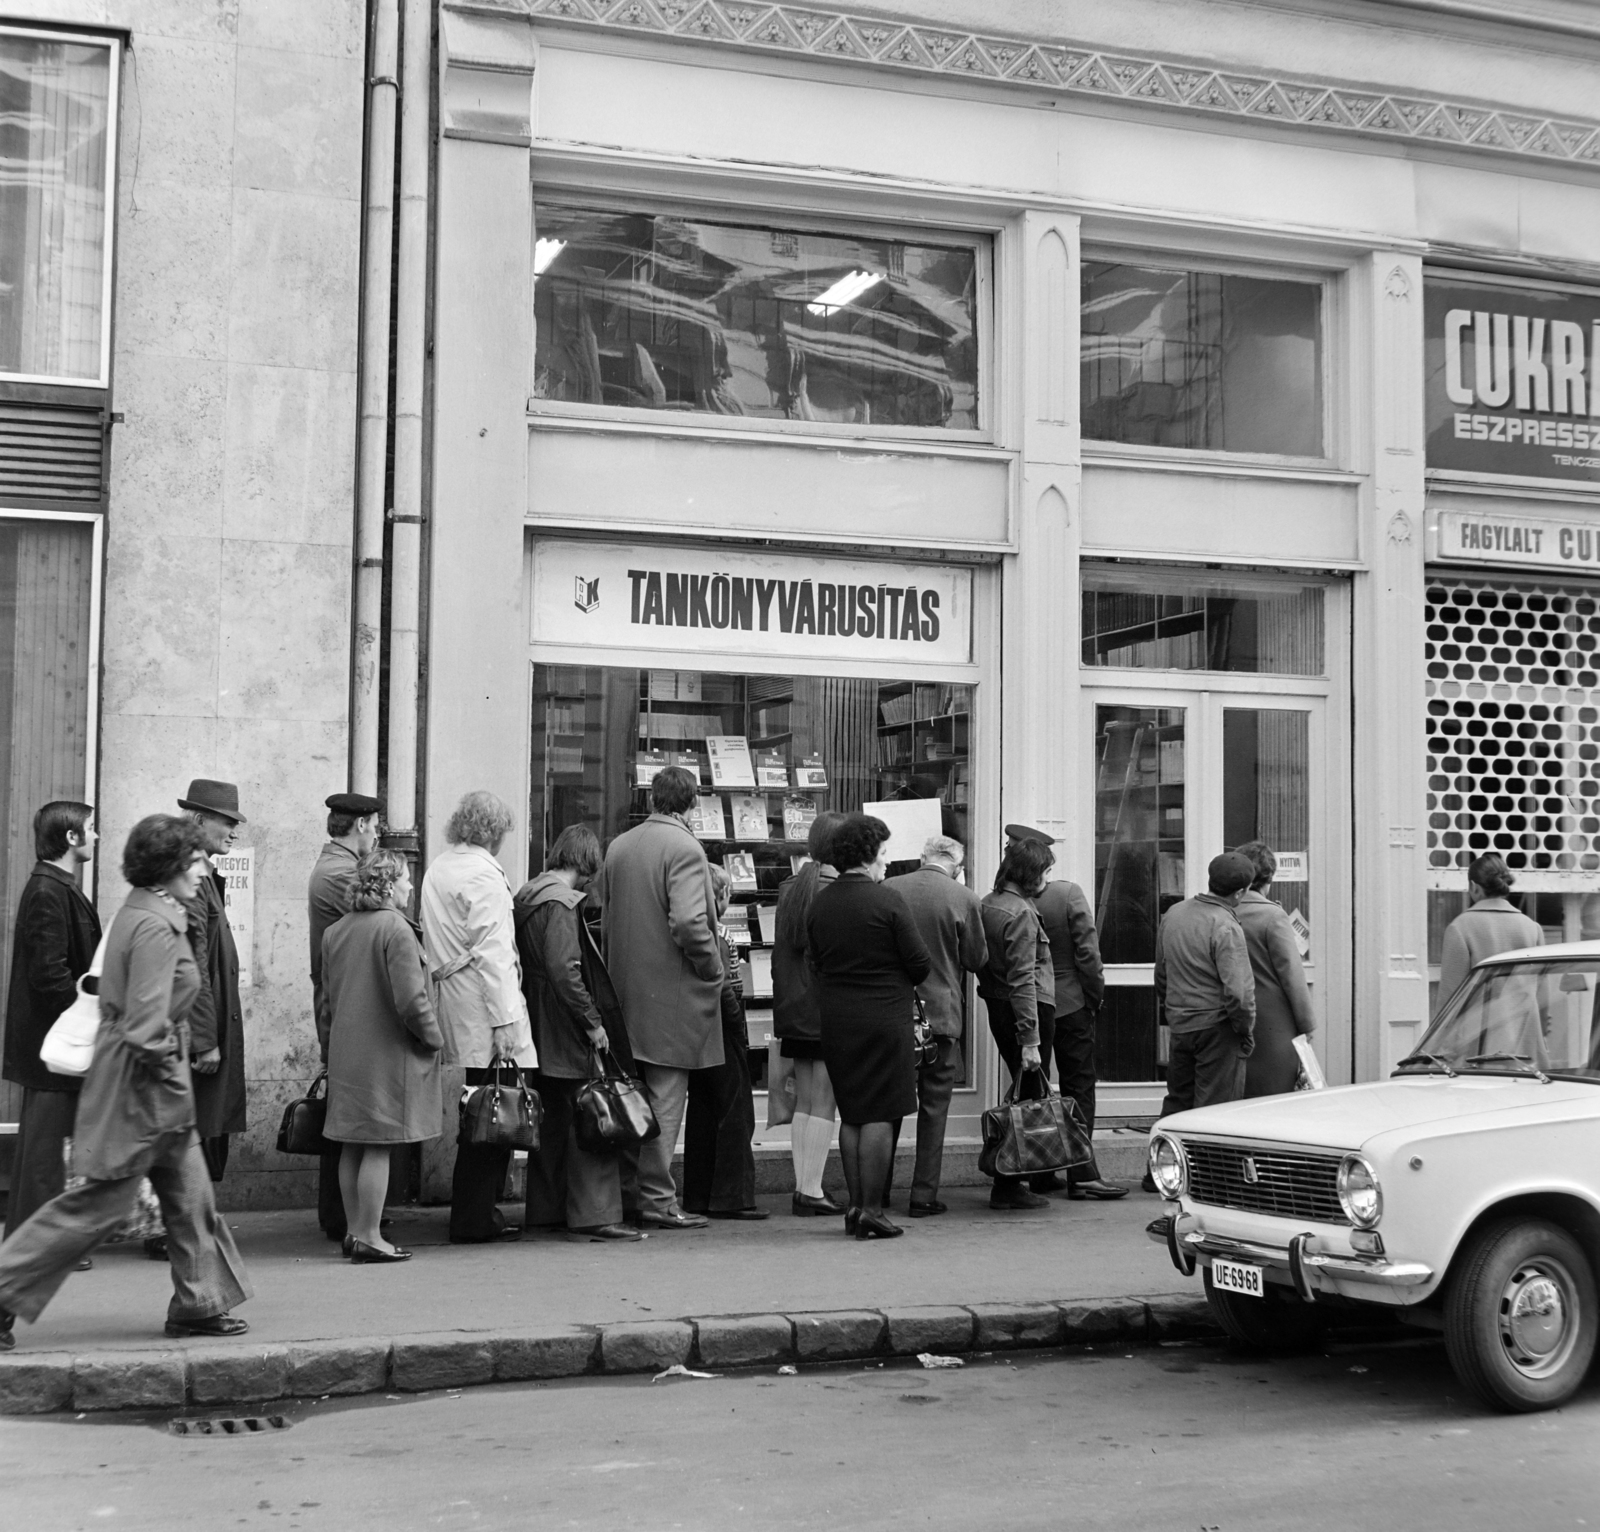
[(784, 1290)]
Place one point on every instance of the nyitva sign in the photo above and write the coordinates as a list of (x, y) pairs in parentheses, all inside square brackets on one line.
[(1513, 379), (718, 601)]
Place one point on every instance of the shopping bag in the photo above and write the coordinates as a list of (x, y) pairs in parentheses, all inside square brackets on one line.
[(300, 1131), (612, 1112), (68, 1047), (1029, 1135), (144, 1222), (780, 1085), (502, 1112), (1311, 1076)]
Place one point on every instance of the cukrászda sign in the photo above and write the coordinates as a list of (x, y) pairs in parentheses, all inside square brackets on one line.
[(1513, 379), (1539, 542), (719, 601)]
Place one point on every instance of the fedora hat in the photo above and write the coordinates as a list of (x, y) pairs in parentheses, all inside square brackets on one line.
[(219, 798)]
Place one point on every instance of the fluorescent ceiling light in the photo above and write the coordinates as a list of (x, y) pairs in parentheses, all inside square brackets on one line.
[(544, 252), (844, 292)]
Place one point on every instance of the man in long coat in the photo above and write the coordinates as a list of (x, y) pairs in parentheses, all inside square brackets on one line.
[(352, 832), (56, 933), (216, 1024), (660, 932)]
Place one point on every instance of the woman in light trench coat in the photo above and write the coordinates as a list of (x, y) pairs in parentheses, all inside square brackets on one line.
[(136, 1111), (469, 934)]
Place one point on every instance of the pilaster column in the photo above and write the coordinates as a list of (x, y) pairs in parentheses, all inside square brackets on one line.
[(1391, 974)]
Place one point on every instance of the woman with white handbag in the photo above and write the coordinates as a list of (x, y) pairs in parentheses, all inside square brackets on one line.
[(136, 1110)]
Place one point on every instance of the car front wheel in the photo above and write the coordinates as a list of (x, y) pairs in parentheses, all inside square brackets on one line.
[(1520, 1315), (1278, 1321)]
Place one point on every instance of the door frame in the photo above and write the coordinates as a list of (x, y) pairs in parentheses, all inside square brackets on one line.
[(1204, 696)]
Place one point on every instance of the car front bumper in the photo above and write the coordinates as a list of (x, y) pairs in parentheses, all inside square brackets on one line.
[(1299, 1263)]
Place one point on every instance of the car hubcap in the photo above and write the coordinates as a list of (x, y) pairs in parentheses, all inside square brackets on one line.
[(1539, 1318)]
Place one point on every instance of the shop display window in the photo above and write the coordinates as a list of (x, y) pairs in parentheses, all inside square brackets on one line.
[(654, 311), (1155, 620), (770, 753), (1201, 360)]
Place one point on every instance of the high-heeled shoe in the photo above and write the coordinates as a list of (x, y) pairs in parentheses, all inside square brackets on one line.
[(873, 1225), (363, 1254), (852, 1217)]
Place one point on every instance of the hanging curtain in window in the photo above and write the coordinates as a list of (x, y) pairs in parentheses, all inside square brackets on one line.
[(838, 720), (54, 142)]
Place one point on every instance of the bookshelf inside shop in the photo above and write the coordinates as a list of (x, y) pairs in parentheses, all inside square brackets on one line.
[(769, 752)]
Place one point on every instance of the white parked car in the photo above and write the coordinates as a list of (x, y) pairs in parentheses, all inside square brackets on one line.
[(1462, 1194)]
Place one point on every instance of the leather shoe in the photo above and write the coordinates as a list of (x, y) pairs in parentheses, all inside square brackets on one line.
[(1049, 1182), (803, 1206), (213, 1324), (86, 1264), (1147, 1183), (603, 1231), (873, 1225), (1017, 1199), (745, 1215), (508, 1234), (852, 1218), (363, 1254), (927, 1209), (676, 1219), (1100, 1191), (156, 1248)]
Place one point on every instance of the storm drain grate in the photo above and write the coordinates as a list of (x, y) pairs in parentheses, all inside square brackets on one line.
[(232, 1425)]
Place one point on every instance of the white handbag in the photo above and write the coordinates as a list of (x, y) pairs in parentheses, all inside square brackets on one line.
[(68, 1047)]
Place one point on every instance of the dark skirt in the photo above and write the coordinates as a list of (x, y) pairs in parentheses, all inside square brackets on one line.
[(800, 1047), (871, 1064), (1274, 1066)]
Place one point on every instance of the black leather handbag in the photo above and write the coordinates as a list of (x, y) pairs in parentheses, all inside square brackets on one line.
[(300, 1132), (502, 1111), (612, 1112), (1028, 1135)]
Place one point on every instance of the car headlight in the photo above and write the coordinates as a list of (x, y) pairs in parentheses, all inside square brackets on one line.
[(1169, 1167), (1359, 1193)]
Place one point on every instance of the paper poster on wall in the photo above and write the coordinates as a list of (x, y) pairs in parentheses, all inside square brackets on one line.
[(1291, 867), (238, 869), (1302, 932), (911, 822)]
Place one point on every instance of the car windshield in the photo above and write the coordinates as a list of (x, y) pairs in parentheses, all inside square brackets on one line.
[(1519, 1018)]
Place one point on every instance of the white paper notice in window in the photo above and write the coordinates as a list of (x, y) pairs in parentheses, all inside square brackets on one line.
[(722, 602)]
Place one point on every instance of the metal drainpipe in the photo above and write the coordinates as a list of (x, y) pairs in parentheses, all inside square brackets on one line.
[(376, 277), (405, 587)]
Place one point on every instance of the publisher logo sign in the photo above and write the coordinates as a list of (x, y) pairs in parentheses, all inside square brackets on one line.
[(1513, 379), (585, 594)]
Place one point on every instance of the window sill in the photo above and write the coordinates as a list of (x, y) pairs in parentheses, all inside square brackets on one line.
[(558, 416), (1218, 464)]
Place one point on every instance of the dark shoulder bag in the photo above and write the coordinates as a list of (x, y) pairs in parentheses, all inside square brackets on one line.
[(300, 1132), (612, 1112), (501, 1111)]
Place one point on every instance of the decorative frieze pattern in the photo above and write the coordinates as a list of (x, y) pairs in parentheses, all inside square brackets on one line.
[(1064, 70)]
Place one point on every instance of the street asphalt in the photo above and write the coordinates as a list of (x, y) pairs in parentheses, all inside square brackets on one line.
[(1180, 1437)]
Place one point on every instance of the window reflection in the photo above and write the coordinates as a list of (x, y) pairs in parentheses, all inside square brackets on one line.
[(657, 312), (1200, 359)]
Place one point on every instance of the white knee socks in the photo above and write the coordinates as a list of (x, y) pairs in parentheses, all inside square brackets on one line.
[(809, 1138)]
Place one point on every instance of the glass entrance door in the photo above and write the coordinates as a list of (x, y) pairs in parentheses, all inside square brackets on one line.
[(1179, 776)]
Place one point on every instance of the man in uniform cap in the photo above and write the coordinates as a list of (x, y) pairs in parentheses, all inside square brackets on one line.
[(1206, 989), (216, 1023), (1080, 988), (352, 832)]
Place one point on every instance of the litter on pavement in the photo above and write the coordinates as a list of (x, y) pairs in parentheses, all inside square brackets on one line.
[(928, 1359)]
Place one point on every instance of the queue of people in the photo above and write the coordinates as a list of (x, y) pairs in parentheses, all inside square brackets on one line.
[(607, 962)]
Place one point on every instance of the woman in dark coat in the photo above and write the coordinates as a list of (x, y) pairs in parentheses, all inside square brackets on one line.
[(1283, 1003), (384, 1042), (136, 1110), (719, 1164), (869, 958), (574, 1012), (797, 1023)]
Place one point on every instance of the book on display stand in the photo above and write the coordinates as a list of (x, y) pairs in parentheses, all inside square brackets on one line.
[(690, 761), (771, 769), (740, 867), (730, 760), (811, 772), (749, 816), (705, 818), (799, 814), (646, 764)]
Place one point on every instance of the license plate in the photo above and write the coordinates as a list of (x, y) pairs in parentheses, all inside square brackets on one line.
[(1231, 1277)]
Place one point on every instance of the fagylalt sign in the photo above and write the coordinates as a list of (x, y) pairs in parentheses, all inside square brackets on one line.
[(719, 601), (1539, 542)]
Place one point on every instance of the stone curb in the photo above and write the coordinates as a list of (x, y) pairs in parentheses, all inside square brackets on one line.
[(222, 1376)]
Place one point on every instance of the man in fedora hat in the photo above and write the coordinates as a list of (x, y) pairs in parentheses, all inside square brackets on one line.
[(352, 832), (216, 1024)]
